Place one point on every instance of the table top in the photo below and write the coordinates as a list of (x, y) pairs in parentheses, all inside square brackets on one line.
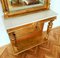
[(23, 20), (26, 19)]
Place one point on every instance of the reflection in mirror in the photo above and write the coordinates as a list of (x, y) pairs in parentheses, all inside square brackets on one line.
[(15, 5), (24, 2)]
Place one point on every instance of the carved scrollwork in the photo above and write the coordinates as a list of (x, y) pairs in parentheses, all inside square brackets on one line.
[(50, 24)]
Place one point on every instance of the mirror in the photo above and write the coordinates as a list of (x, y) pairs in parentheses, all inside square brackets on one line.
[(15, 7)]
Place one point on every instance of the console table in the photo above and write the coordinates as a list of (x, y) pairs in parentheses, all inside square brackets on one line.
[(22, 28), (26, 34)]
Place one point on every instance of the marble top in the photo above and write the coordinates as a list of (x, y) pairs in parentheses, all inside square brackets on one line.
[(23, 20)]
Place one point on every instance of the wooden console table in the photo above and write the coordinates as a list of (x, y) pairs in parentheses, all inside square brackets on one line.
[(26, 34), (13, 26)]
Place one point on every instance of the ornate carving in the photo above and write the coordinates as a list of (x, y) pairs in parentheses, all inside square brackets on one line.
[(49, 26)]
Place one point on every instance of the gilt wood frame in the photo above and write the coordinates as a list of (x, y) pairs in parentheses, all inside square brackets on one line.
[(21, 12)]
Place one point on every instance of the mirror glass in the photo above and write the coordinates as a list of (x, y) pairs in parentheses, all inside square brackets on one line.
[(15, 5)]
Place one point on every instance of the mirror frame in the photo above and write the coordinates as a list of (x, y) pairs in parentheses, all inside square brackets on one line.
[(25, 11)]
